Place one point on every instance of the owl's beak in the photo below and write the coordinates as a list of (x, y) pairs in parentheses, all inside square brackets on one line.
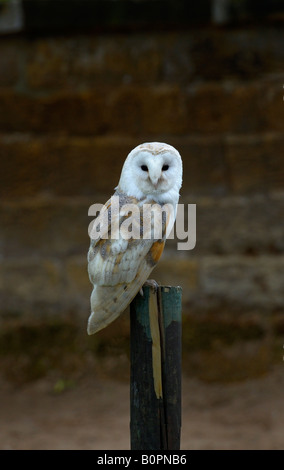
[(155, 180)]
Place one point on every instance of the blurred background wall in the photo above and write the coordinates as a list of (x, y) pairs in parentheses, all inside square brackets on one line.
[(81, 84)]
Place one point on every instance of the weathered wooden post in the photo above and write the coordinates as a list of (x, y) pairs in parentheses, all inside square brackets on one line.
[(155, 383)]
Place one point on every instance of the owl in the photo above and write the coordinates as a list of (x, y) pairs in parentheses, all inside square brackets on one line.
[(119, 263)]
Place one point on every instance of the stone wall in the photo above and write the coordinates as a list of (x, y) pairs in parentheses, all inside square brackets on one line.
[(72, 107)]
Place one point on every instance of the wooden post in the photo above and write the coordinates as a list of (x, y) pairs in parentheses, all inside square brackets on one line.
[(155, 383)]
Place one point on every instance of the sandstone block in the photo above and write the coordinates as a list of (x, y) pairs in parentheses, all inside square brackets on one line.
[(254, 163), (57, 112), (88, 61), (241, 53), (9, 63), (146, 110), (248, 225), (31, 287), (243, 282), (61, 165), (44, 228), (148, 58)]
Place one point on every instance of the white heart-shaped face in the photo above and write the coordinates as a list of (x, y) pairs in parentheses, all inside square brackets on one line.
[(153, 170)]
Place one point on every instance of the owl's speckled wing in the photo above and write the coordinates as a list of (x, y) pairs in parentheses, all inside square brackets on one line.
[(118, 267)]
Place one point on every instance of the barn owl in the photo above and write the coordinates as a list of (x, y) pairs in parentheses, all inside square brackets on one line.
[(118, 265)]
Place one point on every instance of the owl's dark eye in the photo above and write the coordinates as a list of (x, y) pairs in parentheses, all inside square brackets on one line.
[(144, 167), (165, 167)]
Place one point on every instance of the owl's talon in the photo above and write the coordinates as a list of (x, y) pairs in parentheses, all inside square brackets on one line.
[(151, 283)]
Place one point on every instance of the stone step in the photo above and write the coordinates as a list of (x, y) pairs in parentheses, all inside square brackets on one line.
[(135, 110), (85, 166), (58, 227), (88, 61), (228, 285)]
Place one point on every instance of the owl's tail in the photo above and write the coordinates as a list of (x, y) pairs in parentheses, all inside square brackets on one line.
[(108, 302)]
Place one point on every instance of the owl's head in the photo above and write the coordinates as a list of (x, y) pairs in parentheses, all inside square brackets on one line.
[(152, 169)]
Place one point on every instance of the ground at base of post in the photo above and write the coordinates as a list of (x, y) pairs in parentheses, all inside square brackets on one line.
[(93, 413)]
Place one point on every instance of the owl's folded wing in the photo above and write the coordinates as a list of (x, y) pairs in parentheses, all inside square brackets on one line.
[(114, 259), (114, 262), (118, 279)]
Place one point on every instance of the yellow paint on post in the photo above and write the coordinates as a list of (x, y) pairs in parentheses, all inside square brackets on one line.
[(156, 343)]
